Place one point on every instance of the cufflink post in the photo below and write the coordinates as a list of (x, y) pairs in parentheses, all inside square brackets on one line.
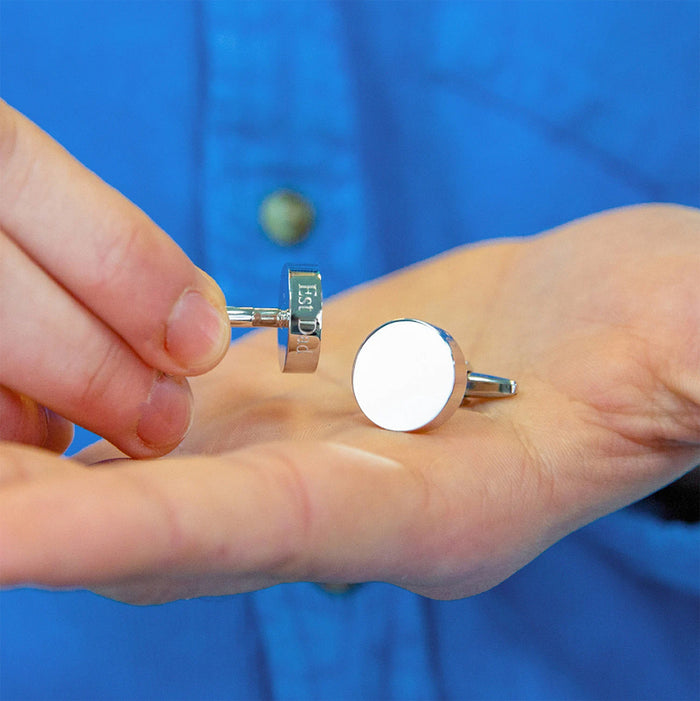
[(256, 316)]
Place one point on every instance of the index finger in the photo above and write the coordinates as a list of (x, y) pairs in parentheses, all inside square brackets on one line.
[(276, 512), (107, 253), (251, 519)]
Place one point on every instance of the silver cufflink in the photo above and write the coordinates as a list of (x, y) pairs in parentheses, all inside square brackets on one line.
[(298, 319), (411, 375)]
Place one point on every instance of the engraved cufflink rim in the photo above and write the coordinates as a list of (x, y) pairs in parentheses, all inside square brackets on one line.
[(298, 320), (410, 375)]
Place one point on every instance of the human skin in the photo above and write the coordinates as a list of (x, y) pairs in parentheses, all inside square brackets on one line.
[(102, 314), (282, 478)]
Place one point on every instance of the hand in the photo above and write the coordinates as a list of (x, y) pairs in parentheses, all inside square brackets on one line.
[(102, 315), (283, 479)]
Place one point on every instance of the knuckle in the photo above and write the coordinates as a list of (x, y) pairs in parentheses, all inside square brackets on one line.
[(116, 254), (286, 483), (98, 377)]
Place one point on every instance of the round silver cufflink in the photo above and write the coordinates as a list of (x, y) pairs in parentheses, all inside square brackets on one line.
[(298, 319), (410, 375)]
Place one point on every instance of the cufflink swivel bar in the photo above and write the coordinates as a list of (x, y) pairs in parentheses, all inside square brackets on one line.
[(298, 320), (488, 386)]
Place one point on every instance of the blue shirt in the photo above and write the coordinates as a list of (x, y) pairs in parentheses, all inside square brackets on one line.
[(412, 127)]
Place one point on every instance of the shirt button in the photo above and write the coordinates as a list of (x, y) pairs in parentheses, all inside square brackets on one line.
[(286, 217)]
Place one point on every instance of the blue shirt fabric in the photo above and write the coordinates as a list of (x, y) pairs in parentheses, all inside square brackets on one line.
[(412, 127)]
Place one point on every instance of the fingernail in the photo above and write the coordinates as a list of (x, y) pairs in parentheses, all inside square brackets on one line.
[(166, 416), (198, 333)]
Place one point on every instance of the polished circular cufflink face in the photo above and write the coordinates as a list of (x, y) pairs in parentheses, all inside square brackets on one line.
[(410, 375), (298, 318)]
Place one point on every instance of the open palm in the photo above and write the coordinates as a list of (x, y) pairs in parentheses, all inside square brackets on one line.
[(283, 479)]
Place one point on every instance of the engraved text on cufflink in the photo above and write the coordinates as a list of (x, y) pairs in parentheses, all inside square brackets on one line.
[(298, 319)]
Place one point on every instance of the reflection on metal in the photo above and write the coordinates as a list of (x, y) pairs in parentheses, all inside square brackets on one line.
[(410, 375), (298, 320)]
